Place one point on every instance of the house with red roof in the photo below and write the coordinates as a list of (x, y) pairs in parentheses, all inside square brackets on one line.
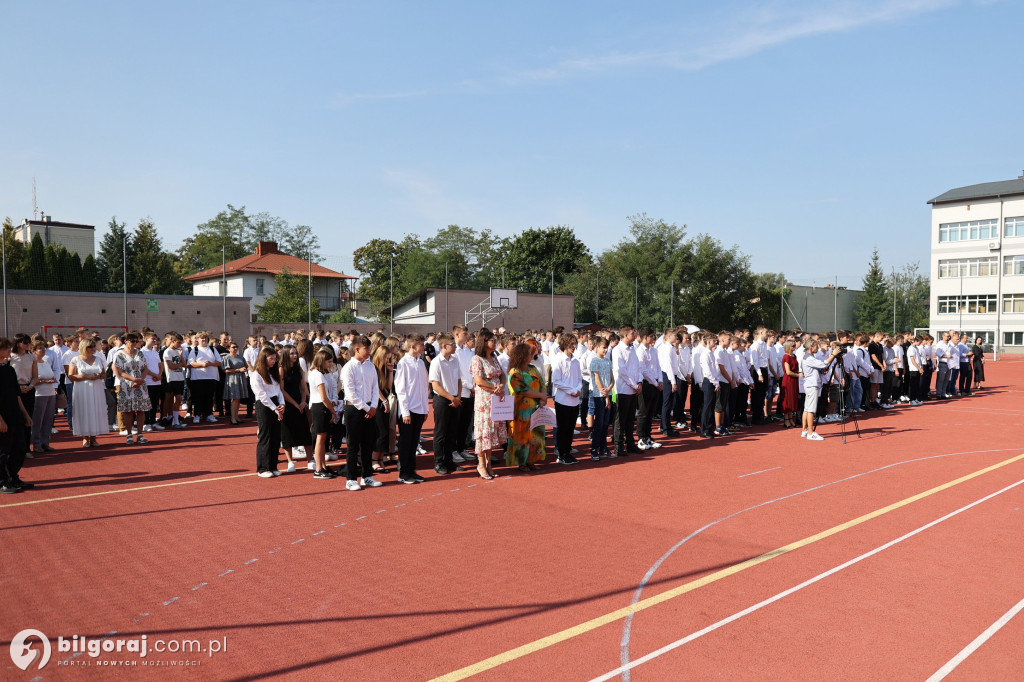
[(254, 276)]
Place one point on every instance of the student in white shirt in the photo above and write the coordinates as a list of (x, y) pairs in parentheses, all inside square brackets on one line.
[(914, 370), (359, 378), (567, 385), (445, 379), (583, 355), (626, 370), (811, 368), (413, 406), (722, 371), (684, 370), (650, 387), (709, 377), (269, 412), (321, 408), (942, 358), (154, 372), (759, 364), (668, 364), (465, 345), (205, 363)]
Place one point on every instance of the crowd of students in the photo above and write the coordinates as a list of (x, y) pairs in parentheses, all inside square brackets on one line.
[(319, 396)]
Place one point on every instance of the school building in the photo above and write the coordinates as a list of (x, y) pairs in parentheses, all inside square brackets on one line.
[(977, 262)]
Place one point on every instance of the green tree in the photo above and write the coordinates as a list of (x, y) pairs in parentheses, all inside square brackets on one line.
[(913, 298), (16, 257), (152, 270), (89, 275), (290, 301), (344, 316), (530, 257), (873, 310), (374, 260), (58, 268), (112, 256), (229, 230), (37, 271), (719, 292), (77, 279)]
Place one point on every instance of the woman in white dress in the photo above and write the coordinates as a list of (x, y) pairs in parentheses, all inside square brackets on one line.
[(87, 371)]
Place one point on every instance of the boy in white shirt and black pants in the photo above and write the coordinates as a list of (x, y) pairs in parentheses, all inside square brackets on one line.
[(650, 386), (413, 405), (566, 384), (362, 393), (626, 371)]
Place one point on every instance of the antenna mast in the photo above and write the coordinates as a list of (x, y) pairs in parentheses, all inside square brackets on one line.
[(35, 205)]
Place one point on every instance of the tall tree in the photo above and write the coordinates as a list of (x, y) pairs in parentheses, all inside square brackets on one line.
[(230, 229), (531, 256), (289, 302), (873, 310), (152, 270), (913, 298), (37, 271), (112, 256), (89, 274), (374, 260), (16, 257)]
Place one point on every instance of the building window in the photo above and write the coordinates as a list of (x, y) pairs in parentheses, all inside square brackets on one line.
[(1013, 265), (259, 287), (987, 338), (968, 267), (962, 232), (1013, 227), (970, 304), (423, 302), (1013, 338), (1013, 303)]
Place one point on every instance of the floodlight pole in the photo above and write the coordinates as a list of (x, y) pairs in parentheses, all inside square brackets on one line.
[(392, 314), (552, 300), (309, 288), (4, 248), (597, 298), (224, 283), (446, 295), (124, 273), (671, 304)]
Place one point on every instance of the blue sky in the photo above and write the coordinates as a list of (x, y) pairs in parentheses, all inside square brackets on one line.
[(770, 125)]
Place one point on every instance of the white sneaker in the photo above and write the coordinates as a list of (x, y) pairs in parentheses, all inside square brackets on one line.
[(331, 457), (575, 432), (147, 428), (814, 436), (159, 427), (275, 472), (420, 450), (803, 434), (311, 465), (371, 482), (266, 474), (352, 485), (54, 430), (642, 445), (291, 467), (123, 432), (680, 426), (653, 443), (211, 419), (195, 420), (113, 427)]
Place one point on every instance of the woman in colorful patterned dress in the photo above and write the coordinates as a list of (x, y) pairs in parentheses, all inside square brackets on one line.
[(525, 446), (132, 399), (488, 380)]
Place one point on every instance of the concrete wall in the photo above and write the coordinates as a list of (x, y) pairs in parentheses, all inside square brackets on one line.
[(29, 311), (534, 311)]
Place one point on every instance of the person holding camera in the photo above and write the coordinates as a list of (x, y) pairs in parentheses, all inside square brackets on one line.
[(811, 368)]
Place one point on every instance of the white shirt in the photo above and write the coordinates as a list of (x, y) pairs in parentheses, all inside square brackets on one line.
[(250, 355), (199, 353), (914, 359), (359, 380), (502, 359), (583, 355), (626, 369), (315, 378), (649, 369), (266, 392), (668, 361), (759, 356), (465, 356), (548, 350), (723, 366), (446, 373), (811, 368), (45, 371), (566, 378), (799, 354), (68, 356), (411, 386), (153, 365), (706, 364), (685, 361)]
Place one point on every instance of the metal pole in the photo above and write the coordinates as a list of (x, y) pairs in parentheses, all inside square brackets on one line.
[(446, 327), (636, 301), (671, 304), (224, 284), (552, 300), (597, 298), (124, 272), (309, 290), (894, 300), (835, 307), (999, 285), (782, 307), (960, 298), (502, 286), (391, 314), (4, 248)]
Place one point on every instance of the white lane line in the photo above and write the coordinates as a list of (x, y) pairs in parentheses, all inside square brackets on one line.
[(295, 542), (771, 600), (319, 532), (170, 601), (753, 473), (361, 518), (340, 524), (380, 511), (978, 641), (230, 570), (199, 586), (251, 561)]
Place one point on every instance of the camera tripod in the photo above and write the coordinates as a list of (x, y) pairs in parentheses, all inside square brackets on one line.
[(841, 406)]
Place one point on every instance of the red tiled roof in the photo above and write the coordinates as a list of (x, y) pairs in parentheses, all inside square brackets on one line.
[(267, 260)]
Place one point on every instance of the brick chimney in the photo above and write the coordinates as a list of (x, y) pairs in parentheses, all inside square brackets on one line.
[(266, 248)]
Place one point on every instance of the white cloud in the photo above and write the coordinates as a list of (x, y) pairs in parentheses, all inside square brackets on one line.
[(741, 35)]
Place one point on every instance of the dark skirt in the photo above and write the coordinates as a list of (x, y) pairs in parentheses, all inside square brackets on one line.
[(979, 370), (294, 428)]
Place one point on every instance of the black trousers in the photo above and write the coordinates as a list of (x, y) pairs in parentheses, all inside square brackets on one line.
[(202, 396), (697, 407), (268, 438), (966, 374), (12, 449), (625, 414), (647, 400), (29, 401), (682, 389), (757, 396), (584, 403), (565, 421), (865, 385), (446, 420), (707, 420), (739, 404), (408, 441), (465, 423), (668, 403), (156, 397), (913, 384), (362, 435)]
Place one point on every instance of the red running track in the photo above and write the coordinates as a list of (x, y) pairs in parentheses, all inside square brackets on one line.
[(178, 539)]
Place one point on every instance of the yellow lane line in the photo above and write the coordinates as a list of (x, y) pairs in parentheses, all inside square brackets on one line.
[(593, 624), (125, 490)]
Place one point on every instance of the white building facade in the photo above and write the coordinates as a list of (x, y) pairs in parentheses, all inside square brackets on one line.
[(76, 238), (977, 262)]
